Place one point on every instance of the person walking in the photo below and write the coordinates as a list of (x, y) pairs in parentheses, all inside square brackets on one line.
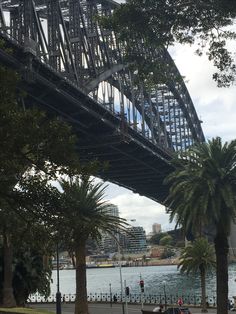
[(180, 302)]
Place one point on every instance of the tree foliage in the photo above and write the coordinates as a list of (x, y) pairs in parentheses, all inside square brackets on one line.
[(166, 240), (82, 199), (29, 139), (161, 23), (167, 253), (81, 214), (198, 257), (34, 149), (155, 239), (203, 186), (31, 267), (202, 194)]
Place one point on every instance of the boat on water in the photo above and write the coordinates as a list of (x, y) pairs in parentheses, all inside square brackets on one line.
[(100, 265), (105, 265), (88, 265), (54, 267), (69, 266)]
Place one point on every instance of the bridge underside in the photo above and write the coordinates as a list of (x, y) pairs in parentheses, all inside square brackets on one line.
[(72, 65), (132, 161)]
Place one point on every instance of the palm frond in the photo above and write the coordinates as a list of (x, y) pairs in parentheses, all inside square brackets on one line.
[(203, 185), (85, 212)]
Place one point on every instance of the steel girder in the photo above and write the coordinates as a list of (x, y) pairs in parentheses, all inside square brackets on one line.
[(66, 35), (73, 66)]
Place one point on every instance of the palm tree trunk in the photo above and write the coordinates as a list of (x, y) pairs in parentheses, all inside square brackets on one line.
[(8, 296), (203, 287), (222, 249), (81, 303)]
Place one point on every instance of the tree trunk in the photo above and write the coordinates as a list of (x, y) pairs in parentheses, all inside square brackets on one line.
[(81, 303), (8, 295), (203, 287), (222, 249)]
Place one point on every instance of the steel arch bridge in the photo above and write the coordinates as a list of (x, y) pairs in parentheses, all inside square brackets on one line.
[(73, 66)]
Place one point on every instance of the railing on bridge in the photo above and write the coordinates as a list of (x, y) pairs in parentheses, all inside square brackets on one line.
[(169, 299)]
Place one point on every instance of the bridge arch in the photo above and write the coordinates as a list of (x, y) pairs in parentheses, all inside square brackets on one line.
[(62, 48), (65, 35)]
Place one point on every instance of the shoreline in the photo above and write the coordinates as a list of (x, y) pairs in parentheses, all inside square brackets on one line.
[(149, 264)]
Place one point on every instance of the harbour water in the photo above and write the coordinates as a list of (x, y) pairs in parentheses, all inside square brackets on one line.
[(155, 278)]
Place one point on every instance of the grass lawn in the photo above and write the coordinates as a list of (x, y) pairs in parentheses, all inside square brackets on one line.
[(24, 310)]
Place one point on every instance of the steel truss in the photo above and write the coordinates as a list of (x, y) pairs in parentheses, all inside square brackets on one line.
[(66, 35), (71, 65)]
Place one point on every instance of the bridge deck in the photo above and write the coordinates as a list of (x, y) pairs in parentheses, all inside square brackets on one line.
[(134, 162)]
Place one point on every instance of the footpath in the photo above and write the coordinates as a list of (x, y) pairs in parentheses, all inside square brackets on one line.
[(104, 308)]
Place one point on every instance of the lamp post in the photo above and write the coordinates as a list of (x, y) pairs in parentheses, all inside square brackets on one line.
[(110, 296), (121, 280), (164, 287), (141, 282), (58, 294)]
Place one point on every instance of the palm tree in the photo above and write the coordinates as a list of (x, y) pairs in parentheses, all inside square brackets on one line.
[(202, 193), (198, 257), (83, 215)]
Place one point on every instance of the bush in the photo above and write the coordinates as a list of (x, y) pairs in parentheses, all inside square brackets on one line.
[(166, 240)]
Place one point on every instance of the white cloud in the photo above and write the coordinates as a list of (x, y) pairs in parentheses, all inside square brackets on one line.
[(215, 106), (143, 210), (133, 206)]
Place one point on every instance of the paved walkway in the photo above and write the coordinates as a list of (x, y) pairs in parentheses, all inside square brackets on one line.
[(95, 308)]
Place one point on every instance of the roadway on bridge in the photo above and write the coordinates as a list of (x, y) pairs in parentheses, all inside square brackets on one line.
[(95, 308)]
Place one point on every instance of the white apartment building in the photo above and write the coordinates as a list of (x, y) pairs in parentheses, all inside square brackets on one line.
[(156, 228)]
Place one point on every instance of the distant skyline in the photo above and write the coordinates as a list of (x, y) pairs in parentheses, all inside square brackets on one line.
[(216, 107)]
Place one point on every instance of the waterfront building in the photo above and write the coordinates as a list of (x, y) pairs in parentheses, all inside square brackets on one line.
[(135, 240), (108, 243), (156, 228), (132, 242), (113, 210)]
